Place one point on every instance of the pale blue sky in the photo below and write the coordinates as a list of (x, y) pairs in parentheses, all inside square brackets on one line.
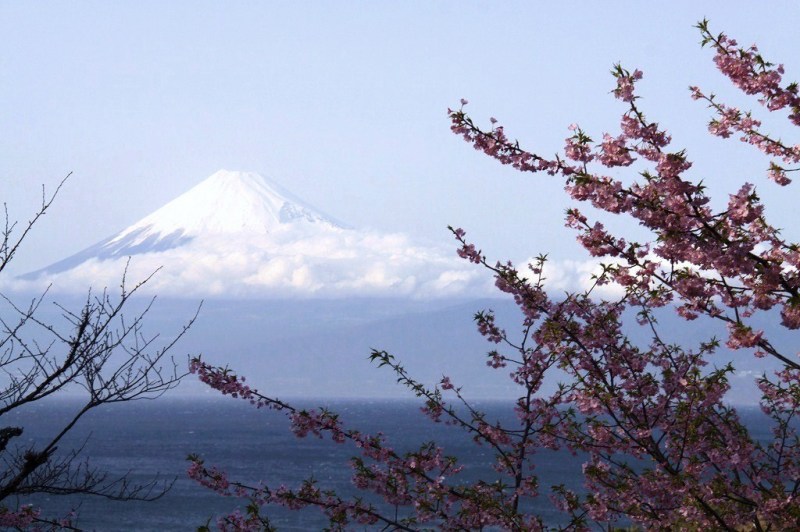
[(344, 103)]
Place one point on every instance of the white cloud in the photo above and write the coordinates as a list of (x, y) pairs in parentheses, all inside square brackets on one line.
[(575, 276), (333, 263)]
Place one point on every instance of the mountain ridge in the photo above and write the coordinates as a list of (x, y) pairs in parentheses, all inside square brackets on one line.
[(236, 233), (225, 203)]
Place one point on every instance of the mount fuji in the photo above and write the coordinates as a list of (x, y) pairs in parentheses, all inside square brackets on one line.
[(284, 286), (239, 234)]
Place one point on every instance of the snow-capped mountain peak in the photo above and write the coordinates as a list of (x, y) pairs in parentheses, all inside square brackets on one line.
[(225, 202), (236, 234)]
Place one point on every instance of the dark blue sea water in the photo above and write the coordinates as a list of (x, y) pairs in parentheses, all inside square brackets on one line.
[(150, 438)]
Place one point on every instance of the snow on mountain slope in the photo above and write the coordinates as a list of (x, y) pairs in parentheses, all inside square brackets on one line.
[(226, 202), (236, 234)]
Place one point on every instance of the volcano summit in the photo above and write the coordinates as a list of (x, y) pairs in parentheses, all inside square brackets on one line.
[(238, 234)]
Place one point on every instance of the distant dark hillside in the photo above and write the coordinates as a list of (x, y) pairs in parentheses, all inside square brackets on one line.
[(315, 348)]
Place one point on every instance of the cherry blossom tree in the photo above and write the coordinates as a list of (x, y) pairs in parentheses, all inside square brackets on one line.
[(96, 357), (665, 448)]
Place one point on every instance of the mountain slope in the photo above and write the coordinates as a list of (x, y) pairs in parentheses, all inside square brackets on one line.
[(237, 234), (228, 202), (232, 203)]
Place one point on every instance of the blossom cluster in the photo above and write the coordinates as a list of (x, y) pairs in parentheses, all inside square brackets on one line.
[(22, 518), (665, 449), (728, 265)]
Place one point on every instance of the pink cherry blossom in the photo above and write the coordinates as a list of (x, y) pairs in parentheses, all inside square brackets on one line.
[(664, 448)]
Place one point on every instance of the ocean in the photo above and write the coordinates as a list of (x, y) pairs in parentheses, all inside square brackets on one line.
[(148, 438)]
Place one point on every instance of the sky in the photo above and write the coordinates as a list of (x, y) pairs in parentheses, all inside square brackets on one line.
[(345, 104)]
